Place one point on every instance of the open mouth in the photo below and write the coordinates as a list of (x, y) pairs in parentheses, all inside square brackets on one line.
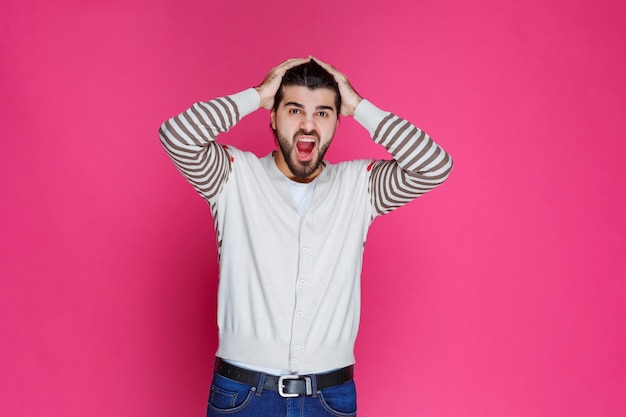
[(305, 147)]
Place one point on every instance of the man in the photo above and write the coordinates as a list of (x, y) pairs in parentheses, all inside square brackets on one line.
[(290, 231)]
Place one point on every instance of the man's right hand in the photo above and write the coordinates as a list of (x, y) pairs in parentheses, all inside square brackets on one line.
[(270, 85)]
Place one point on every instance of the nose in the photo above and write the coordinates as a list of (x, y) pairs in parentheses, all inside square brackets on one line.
[(306, 123)]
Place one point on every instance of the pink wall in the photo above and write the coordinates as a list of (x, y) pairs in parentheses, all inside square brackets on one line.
[(500, 294)]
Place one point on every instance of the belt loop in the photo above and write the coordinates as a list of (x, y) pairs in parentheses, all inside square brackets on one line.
[(259, 388), (314, 385)]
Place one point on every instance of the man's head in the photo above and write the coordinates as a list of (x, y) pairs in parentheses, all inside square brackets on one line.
[(304, 118), (312, 76)]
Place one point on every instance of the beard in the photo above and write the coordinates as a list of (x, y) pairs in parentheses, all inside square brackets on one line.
[(300, 169)]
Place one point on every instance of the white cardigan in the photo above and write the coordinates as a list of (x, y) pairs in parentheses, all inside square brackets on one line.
[(289, 290)]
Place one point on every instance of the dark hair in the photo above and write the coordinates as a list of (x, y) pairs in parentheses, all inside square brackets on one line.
[(312, 76)]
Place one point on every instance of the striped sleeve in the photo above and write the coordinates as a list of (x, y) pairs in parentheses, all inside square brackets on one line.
[(189, 140), (419, 164)]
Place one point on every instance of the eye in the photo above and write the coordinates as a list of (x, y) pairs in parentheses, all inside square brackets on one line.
[(322, 114), (294, 110)]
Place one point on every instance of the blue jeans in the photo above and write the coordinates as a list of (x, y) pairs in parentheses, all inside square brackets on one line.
[(232, 398)]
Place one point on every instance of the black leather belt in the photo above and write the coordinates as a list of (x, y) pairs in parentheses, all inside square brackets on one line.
[(285, 385)]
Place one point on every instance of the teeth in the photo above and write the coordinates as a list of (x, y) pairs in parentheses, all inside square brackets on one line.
[(306, 140)]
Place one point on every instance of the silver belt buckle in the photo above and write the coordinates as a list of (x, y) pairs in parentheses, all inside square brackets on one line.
[(281, 385)]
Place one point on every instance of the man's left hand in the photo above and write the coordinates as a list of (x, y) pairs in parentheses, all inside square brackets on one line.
[(349, 97)]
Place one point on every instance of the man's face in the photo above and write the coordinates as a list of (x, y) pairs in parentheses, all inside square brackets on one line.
[(304, 124)]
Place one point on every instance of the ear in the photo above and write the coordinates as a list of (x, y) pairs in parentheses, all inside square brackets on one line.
[(273, 119)]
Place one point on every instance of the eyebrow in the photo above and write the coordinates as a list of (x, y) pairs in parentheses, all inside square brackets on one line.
[(301, 106)]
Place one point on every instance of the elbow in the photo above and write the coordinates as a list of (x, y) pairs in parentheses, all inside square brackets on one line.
[(447, 167), (164, 133)]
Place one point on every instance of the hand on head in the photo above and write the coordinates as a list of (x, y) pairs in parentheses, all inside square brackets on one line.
[(270, 85), (349, 97)]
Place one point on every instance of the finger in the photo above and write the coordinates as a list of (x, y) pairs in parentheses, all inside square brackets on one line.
[(267, 89), (293, 62), (339, 76), (280, 70)]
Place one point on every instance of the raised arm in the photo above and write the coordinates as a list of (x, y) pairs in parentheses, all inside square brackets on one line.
[(189, 138), (419, 164)]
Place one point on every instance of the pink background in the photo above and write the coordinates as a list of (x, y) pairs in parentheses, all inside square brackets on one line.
[(500, 294)]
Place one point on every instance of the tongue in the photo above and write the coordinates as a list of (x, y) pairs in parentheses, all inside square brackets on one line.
[(305, 147)]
